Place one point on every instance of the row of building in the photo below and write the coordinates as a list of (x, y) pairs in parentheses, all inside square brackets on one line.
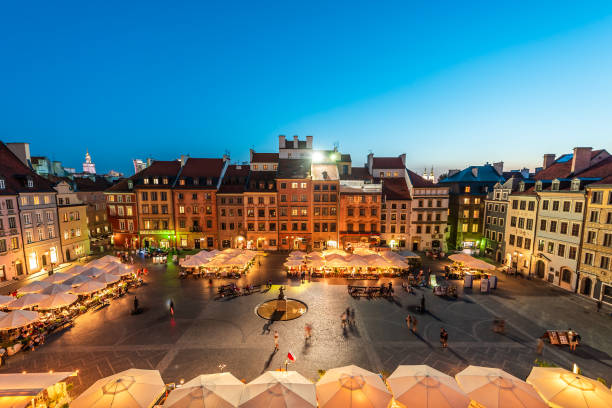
[(553, 224), (296, 198), (45, 221), (556, 225)]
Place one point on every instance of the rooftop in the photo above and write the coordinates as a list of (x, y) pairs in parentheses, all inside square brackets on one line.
[(16, 175), (293, 168)]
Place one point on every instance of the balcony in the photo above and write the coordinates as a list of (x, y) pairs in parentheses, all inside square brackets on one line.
[(195, 228)]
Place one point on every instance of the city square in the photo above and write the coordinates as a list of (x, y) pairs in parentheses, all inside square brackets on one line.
[(209, 334)]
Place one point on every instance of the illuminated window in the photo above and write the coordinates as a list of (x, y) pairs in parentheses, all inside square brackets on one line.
[(181, 209), (474, 227), (464, 227), (32, 261), (466, 200), (466, 189), (53, 253), (294, 185), (155, 180)]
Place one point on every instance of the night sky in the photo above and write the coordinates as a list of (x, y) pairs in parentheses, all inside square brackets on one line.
[(450, 84)]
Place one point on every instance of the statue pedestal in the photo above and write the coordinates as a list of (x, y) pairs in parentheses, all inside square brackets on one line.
[(281, 305)]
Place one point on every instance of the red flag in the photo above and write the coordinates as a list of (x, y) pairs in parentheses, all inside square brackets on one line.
[(291, 357)]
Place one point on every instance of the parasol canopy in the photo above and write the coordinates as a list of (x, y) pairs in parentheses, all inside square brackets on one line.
[(89, 287), (294, 263), (352, 386), (25, 301), (107, 278), (56, 288), (58, 277), (221, 390), (4, 300), (34, 287), (562, 388), (93, 272), (471, 262), (279, 389), (77, 280), (421, 386), (75, 270), (18, 318), (495, 388), (58, 300), (131, 388)]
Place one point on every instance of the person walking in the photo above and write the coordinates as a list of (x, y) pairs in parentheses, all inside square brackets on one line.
[(135, 304), (409, 322), (171, 307), (598, 306), (443, 337), (422, 303), (352, 316), (307, 331), (414, 325), (540, 346), (276, 340), (343, 317)]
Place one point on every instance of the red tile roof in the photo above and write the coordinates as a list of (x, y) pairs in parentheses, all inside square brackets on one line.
[(264, 158), (235, 179), (601, 169), (357, 173), (560, 169), (387, 163), (395, 188), (200, 167), (16, 175), (418, 181)]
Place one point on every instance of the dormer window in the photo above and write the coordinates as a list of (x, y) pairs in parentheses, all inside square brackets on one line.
[(555, 185), (182, 182), (575, 186), (196, 181), (130, 184), (275, 166), (2, 183), (156, 180), (254, 167), (209, 181), (146, 180), (165, 180), (538, 186), (522, 186), (30, 182)]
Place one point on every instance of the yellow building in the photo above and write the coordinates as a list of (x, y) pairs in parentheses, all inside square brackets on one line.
[(596, 259), (72, 218)]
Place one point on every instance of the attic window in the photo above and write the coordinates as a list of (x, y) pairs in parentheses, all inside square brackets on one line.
[(156, 180), (254, 167), (165, 180), (146, 180), (538, 186), (467, 189), (196, 181), (30, 183), (575, 185), (130, 184), (521, 186), (2, 183), (182, 182), (209, 181), (555, 186)]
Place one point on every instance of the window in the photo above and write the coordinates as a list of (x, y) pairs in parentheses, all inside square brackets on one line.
[(531, 206), (563, 229), (464, 228), (588, 258), (476, 213), (466, 189), (567, 205), (596, 197), (513, 221), (604, 262), (521, 223), (607, 240), (572, 252), (575, 230), (523, 205), (515, 204), (529, 224), (477, 200), (578, 207), (594, 216), (541, 245), (591, 237), (527, 243), (553, 226), (511, 239), (466, 201), (561, 250), (551, 247), (545, 205), (555, 205), (519, 241)]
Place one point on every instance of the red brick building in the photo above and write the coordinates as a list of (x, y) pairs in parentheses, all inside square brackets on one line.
[(230, 207), (122, 213), (195, 202), (294, 187)]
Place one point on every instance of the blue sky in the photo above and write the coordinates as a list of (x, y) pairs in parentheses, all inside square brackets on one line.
[(449, 83)]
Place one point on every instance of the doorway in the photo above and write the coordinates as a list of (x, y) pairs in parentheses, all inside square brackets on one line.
[(67, 255), (196, 243), (44, 260), (540, 269), (415, 246), (586, 286)]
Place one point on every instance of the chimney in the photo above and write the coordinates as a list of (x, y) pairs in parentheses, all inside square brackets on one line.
[(499, 167), (281, 141), (403, 157), (309, 142), (251, 151), (548, 160), (22, 151), (370, 162), (525, 172), (183, 159), (581, 159), (475, 171)]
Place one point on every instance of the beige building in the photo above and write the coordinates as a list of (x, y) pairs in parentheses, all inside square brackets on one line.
[(596, 260), (72, 217), (428, 214), (11, 252), (520, 227)]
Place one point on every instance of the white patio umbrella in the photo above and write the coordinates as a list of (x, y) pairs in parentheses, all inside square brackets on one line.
[(331, 257), (92, 272), (357, 261), (2, 314), (18, 318), (107, 278), (495, 388), (297, 253), (315, 255), (562, 388), (352, 386), (378, 262), (4, 300), (77, 280), (396, 263), (56, 288), (421, 386), (337, 263), (131, 388), (221, 390), (340, 252), (88, 287), (120, 270), (58, 277), (34, 287), (58, 300), (25, 301), (316, 263), (106, 259), (471, 262), (294, 263), (75, 270), (276, 389)]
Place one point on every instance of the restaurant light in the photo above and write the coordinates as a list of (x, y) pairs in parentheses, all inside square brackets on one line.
[(575, 370)]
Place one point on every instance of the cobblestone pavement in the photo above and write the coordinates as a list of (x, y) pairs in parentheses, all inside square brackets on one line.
[(207, 332)]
